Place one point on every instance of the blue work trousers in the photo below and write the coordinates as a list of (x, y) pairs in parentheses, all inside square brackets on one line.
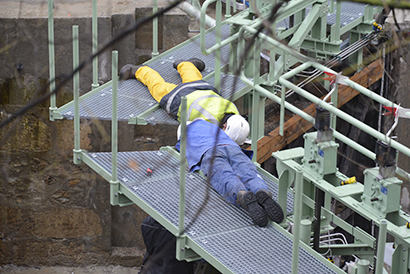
[(230, 170)]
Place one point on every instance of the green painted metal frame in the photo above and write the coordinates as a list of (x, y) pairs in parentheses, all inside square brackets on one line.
[(290, 165)]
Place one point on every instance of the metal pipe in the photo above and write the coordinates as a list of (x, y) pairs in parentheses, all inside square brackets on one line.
[(217, 71), (194, 12), (114, 184), (155, 30), (114, 121), (202, 31), (76, 91), (296, 222), (51, 60), (381, 246), (282, 110), (343, 115), (95, 45), (368, 153), (182, 164)]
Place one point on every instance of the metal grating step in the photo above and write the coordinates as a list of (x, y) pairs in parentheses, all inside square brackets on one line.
[(222, 229), (134, 98)]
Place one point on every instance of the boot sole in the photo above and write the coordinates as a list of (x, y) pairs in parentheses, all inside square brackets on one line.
[(271, 207), (256, 212)]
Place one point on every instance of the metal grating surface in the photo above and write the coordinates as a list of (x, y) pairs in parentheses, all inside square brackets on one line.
[(222, 229), (134, 98), (350, 12), (166, 173), (258, 250), (220, 224)]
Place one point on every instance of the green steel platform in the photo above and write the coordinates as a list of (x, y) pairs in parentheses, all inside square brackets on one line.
[(222, 233), (136, 105)]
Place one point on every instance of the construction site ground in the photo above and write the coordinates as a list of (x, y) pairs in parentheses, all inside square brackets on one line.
[(68, 270)]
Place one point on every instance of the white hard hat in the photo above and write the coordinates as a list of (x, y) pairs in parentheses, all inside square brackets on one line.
[(237, 128)]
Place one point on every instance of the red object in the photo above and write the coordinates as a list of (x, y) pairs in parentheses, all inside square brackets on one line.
[(149, 171), (390, 111)]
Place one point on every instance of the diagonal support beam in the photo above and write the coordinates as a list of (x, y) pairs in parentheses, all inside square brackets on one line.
[(296, 126)]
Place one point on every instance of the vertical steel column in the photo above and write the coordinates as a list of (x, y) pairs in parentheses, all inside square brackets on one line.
[(155, 30), (51, 57), (95, 45), (76, 91), (381, 246), (180, 252), (296, 220), (114, 185)]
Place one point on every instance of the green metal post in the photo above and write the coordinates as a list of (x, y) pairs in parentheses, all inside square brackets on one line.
[(228, 9), (282, 110), (296, 222), (334, 100), (218, 42), (114, 184), (335, 36), (180, 254), (51, 57), (76, 91), (255, 102), (381, 246), (155, 31), (95, 45)]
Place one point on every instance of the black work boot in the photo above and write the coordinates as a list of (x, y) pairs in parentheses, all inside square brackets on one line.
[(249, 202), (128, 72), (198, 63), (271, 207)]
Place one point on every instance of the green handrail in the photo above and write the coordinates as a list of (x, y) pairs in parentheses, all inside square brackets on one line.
[(376, 134), (182, 164), (76, 92), (95, 45), (51, 57), (155, 31), (114, 184)]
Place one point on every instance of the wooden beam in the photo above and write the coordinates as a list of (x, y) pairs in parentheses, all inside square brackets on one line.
[(296, 126)]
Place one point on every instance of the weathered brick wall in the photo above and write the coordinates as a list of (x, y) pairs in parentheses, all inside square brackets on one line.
[(53, 212)]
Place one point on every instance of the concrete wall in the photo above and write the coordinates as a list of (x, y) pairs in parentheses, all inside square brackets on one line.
[(53, 212)]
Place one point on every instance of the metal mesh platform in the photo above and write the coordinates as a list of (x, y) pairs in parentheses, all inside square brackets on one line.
[(350, 12), (221, 229), (134, 98)]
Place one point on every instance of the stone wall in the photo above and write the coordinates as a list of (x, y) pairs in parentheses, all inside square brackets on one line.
[(53, 212)]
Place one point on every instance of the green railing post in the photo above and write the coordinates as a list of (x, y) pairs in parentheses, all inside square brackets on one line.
[(155, 30), (95, 45), (180, 252), (296, 220), (51, 57), (381, 246), (218, 17), (114, 184), (76, 91)]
